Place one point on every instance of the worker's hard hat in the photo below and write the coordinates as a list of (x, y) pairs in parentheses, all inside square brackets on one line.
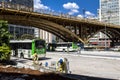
[(61, 61)]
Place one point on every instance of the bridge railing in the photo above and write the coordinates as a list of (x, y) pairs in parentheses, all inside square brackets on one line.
[(62, 15), (19, 7), (49, 12), (9, 5)]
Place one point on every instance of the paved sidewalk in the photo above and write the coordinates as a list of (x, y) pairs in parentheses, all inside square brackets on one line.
[(101, 54), (92, 54)]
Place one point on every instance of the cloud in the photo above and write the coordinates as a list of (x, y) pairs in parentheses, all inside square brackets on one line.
[(73, 7), (80, 16), (73, 11), (88, 13), (38, 5)]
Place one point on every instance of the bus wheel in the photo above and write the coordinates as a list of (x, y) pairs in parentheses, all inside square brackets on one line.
[(21, 55), (63, 50)]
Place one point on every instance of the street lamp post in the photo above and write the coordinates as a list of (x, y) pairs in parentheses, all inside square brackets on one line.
[(105, 37)]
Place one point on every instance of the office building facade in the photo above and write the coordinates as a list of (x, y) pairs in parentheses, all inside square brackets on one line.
[(48, 37), (18, 31), (110, 11), (28, 3)]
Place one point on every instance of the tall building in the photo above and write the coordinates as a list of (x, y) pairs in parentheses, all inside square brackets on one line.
[(28, 3), (48, 37), (110, 11)]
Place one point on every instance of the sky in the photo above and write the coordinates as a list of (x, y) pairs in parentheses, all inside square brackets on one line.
[(78, 8)]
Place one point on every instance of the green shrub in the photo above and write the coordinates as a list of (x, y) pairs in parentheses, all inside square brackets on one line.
[(4, 41), (5, 52)]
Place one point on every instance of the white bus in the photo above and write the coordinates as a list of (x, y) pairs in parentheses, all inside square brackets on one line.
[(27, 48), (66, 46)]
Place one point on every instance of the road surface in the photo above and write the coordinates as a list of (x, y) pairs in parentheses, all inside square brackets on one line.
[(87, 63)]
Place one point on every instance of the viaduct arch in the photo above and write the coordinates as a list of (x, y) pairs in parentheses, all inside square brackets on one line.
[(67, 28)]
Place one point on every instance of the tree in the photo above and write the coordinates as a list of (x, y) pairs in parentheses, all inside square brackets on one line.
[(4, 41)]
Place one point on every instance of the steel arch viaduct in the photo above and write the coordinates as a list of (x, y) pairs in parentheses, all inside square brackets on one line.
[(67, 28)]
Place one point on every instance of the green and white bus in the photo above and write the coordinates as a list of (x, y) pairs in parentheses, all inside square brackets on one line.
[(27, 48), (66, 46)]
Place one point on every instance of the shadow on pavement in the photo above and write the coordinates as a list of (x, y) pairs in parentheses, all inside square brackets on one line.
[(39, 76), (83, 77), (44, 58), (21, 61), (8, 62)]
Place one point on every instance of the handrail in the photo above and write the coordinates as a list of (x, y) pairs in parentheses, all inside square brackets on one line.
[(8, 5)]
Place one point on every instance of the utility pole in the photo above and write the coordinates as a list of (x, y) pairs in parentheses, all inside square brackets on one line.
[(105, 37)]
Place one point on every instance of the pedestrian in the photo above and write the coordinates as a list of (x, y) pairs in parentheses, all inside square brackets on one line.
[(79, 50)]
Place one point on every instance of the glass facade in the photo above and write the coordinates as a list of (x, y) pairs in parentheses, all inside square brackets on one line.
[(17, 31)]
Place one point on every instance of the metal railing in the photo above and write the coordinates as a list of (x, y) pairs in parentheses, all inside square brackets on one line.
[(8, 5)]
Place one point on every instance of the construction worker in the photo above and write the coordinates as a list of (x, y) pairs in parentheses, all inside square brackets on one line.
[(60, 65), (35, 58), (66, 65)]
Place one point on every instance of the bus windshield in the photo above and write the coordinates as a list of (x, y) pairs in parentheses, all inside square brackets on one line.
[(39, 44)]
